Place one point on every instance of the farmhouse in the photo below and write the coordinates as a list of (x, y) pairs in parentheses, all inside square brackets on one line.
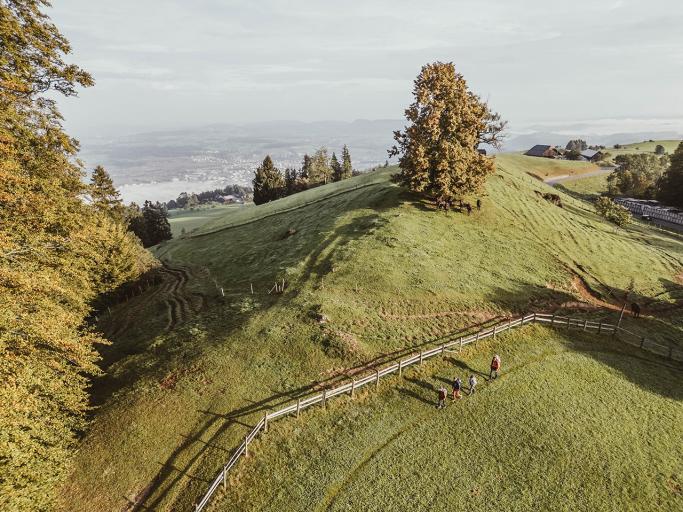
[(591, 155), (541, 150)]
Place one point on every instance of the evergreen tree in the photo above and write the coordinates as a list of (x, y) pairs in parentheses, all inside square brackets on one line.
[(57, 253), (347, 167), (290, 181), (269, 184), (447, 123), (306, 165), (671, 185), (321, 172), (104, 195), (337, 170), (157, 227)]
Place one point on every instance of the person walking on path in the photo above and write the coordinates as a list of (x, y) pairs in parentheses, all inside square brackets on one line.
[(473, 383), (495, 367), (442, 398), (478, 204), (457, 386)]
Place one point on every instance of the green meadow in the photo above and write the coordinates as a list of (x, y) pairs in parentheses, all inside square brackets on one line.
[(372, 272)]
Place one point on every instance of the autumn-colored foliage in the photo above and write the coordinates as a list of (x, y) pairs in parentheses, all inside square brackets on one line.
[(57, 252), (446, 124)]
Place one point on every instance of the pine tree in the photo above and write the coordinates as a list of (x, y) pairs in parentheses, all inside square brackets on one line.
[(671, 185), (337, 170), (104, 195), (447, 123), (290, 181), (306, 165), (321, 172), (269, 184), (347, 167), (157, 226)]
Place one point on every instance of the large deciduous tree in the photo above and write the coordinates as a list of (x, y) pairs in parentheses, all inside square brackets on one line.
[(57, 252), (671, 185), (637, 175), (321, 172), (269, 184), (446, 125)]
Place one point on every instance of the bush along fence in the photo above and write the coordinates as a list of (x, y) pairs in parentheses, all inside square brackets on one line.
[(564, 322)]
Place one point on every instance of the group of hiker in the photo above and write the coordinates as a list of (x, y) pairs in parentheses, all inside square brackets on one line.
[(472, 381)]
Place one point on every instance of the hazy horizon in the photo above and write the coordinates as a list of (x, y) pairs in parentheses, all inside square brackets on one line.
[(175, 65)]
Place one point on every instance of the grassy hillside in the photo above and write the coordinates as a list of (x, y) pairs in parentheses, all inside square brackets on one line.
[(189, 220), (563, 427), (370, 271), (545, 168), (645, 147)]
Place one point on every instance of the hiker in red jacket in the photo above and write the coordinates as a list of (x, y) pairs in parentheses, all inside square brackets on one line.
[(495, 367)]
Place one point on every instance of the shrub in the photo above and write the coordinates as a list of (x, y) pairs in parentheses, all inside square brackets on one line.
[(612, 211)]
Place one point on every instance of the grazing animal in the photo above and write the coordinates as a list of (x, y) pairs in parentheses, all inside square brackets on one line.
[(635, 309)]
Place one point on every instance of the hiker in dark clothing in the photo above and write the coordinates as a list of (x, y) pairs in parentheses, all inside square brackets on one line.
[(495, 367), (442, 398), (635, 309), (457, 386), (468, 206), (479, 204)]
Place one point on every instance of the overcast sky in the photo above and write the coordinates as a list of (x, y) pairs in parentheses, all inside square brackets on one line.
[(165, 64)]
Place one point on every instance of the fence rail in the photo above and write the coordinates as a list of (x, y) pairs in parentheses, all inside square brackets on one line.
[(569, 323)]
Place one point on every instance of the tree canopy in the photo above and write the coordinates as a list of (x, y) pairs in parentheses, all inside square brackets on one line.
[(446, 125), (671, 185), (57, 252), (269, 184), (637, 175)]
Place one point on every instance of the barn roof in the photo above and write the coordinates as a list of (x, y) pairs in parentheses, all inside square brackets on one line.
[(538, 150), (589, 153)]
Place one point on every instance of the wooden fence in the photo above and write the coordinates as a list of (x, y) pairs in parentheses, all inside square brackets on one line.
[(564, 322)]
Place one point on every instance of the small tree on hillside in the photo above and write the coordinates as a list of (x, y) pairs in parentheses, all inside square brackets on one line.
[(268, 182), (347, 167), (671, 185), (446, 124), (612, 211), (337, 170), (321, 172), (577, 145), (105, 197), (660, 150)]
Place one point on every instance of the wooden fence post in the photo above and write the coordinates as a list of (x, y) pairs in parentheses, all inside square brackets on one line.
[(421, 356), (400, 368), (265, 422), (443, 350), (246, 445), (377, 380), (298, 407), (478, 333), (324, 398), (460, 343), (600, 327), (225, 479), (251, 285), (552, 321), (353, 387), (585, 324), (569, 323), (494, 332), (509, 324)]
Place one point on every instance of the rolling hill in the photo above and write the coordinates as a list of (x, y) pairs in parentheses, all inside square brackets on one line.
[(371, 271)]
